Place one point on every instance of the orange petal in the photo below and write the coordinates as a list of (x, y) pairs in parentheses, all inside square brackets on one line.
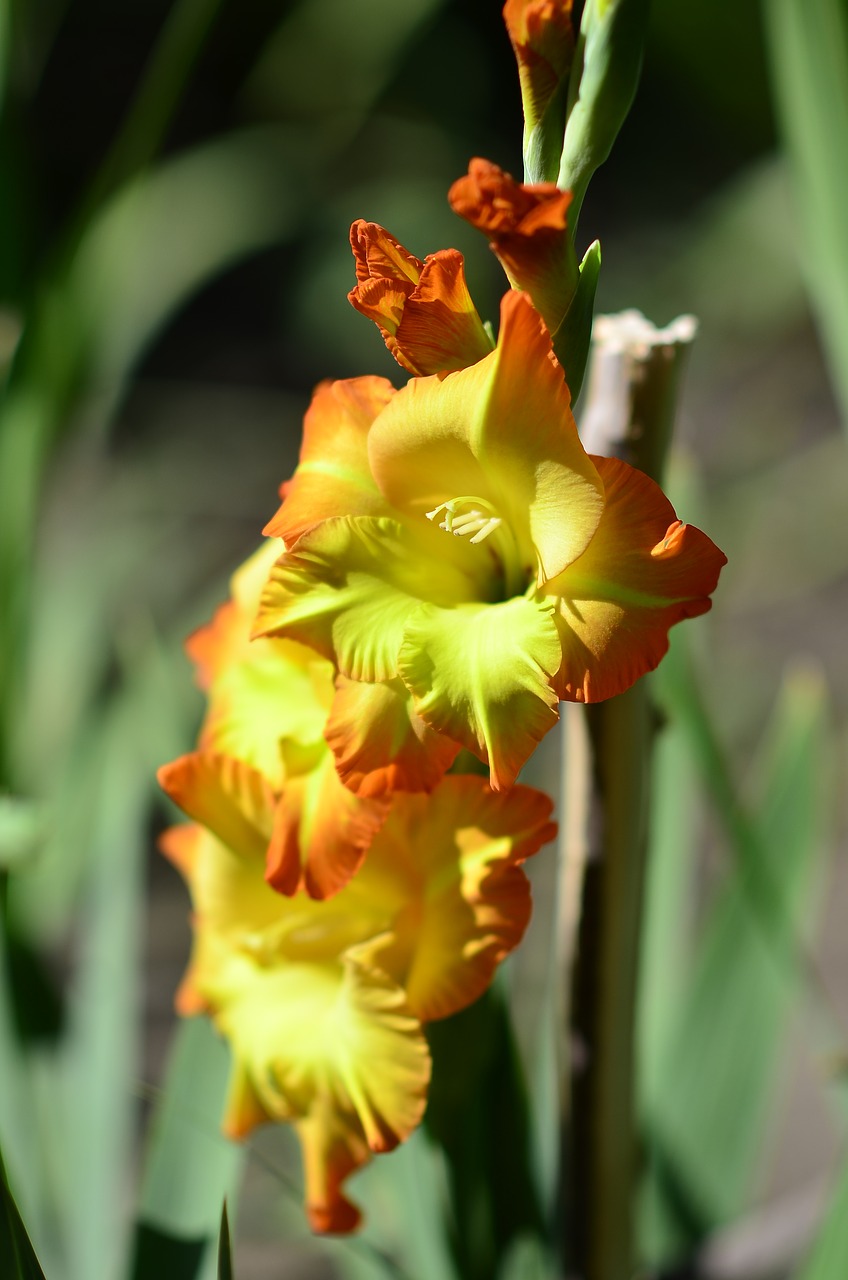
[(378, 256), (468, 902), (180, 846), (381, 745), (423, 309), (322, 830), (228, 796), (642, 572), (333, 477), (527, 228)]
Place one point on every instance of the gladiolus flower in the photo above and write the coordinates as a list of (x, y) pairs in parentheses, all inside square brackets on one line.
[(423, 309), (268, 705), (323, 1002), (527, 229), (502, 568)]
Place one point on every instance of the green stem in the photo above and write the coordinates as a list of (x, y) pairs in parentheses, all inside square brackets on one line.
[(603, 1132), (632, 393)]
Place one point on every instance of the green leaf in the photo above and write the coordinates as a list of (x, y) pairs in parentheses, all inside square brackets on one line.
[(21, 830), (191, 1167), (225, 1258), (808, 45), (18, 1259), (574, 334), (707, 1101), (828, 1259), (479, 1115)]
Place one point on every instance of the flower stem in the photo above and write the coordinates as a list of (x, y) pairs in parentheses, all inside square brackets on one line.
[(629, 413)]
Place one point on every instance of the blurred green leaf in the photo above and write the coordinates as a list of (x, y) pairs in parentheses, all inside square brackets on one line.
[(324, 61), (668, 901), (94, 1122), (186, 26), (808, 44), (21, 830), (708, 1102), (18, 1259), (478, 1113), (779, 557), (168, 232), (404, 1200), (828, 1259), (191, 1167)]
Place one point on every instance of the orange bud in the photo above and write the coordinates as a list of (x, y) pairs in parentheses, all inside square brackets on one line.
[(527, 229), (423, 309), (542, 35)]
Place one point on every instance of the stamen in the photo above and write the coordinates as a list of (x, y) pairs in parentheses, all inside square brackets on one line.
[(476, 520), (462, 523)]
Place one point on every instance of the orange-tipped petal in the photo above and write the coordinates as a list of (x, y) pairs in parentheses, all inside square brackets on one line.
[(332, 476), (462, 848), (243, 1110), (381, 745), (642, 572), (423, 309), (231, 799), (526, 226)]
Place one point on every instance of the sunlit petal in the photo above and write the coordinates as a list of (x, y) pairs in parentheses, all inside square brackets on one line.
[(322, 831), (481, 674), (335, 1048), (642, 572), (350, 586)]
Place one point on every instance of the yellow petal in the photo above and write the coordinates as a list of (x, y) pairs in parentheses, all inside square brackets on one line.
[(481, 674), (335, 1048)]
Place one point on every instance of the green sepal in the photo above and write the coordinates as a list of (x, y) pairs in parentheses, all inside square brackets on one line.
[(574, 335), (544, 142)]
